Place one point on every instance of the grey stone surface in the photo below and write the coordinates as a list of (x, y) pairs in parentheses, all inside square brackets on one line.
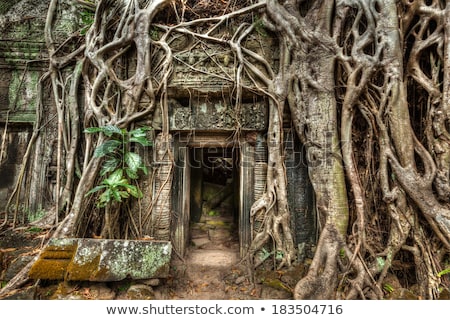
[(102, 260), (216, 115)]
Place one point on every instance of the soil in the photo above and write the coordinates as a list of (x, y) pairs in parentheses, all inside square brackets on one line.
[(210, 270)]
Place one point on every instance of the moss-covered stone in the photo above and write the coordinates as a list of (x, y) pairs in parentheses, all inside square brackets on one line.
[(102, 260), (53, 262)]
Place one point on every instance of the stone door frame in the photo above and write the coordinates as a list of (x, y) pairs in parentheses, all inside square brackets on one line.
[(183, 143)]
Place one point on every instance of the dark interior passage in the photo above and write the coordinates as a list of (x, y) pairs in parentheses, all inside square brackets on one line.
[(214, 192)]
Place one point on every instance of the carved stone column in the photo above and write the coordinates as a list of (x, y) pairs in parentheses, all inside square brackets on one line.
[(162, 197), (260, 175), (246, 194)]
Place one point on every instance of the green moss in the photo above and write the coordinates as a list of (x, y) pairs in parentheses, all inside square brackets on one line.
[(23, 99), (218, 224), (102, 260), (51, 269), (57, 254), (53, 262), (156, 262), (260, 28), (5, 5), (139, 262), (88, 270), (272, 279), (67, 25), (124, 286), (15, 85)]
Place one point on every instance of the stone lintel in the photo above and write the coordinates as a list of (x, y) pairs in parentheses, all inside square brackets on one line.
[(216, 115)]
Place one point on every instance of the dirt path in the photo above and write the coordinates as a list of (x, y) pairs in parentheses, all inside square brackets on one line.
[(211, 267)]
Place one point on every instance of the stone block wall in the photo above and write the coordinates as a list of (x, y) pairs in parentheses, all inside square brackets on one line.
[(23, 110)]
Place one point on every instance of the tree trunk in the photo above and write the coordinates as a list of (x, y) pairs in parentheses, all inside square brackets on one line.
[(320, 136)]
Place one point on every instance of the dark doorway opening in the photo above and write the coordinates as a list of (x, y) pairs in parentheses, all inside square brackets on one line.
[(212, 192), (214, 197)]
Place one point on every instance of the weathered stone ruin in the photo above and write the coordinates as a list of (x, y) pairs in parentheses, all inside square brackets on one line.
[(214, 145)]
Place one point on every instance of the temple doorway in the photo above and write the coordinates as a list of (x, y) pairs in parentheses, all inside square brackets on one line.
[(211, 194), (214, 197)]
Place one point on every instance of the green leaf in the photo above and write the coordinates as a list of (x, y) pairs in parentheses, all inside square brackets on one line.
[(93, 130), (124, 194), (109, 165), (139, 132), (123, 183), (106, 148), (110, 130), (131, 174), (388, 288), (144, 169), (142, 141), (443, 272), (133, 161), (139, 135), (116, 194), (34, 229), (104, 198), (279, 255), (264, 254), (134, 191), (115, 178), (97, 188)]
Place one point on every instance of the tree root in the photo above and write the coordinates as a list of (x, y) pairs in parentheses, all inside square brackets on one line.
[(322, 277)]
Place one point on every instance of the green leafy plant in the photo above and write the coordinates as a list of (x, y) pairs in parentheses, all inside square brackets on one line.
[(388, 288), (87, 19), (34, 230), (121, 165), (124, 287), (35, 215), (264, 254), (154, 33), (443, 272), (260, 28), (213, 213), (380, 263), (279, 255)]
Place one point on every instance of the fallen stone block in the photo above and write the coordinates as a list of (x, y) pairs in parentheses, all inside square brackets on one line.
[(102, 260)]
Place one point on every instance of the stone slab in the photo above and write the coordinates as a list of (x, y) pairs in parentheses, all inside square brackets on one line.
[(102, 260), (218, 258), (199, 242)]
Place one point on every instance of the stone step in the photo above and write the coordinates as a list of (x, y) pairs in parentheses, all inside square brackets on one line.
[(218, 235), (218, 258), (200, 241)]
